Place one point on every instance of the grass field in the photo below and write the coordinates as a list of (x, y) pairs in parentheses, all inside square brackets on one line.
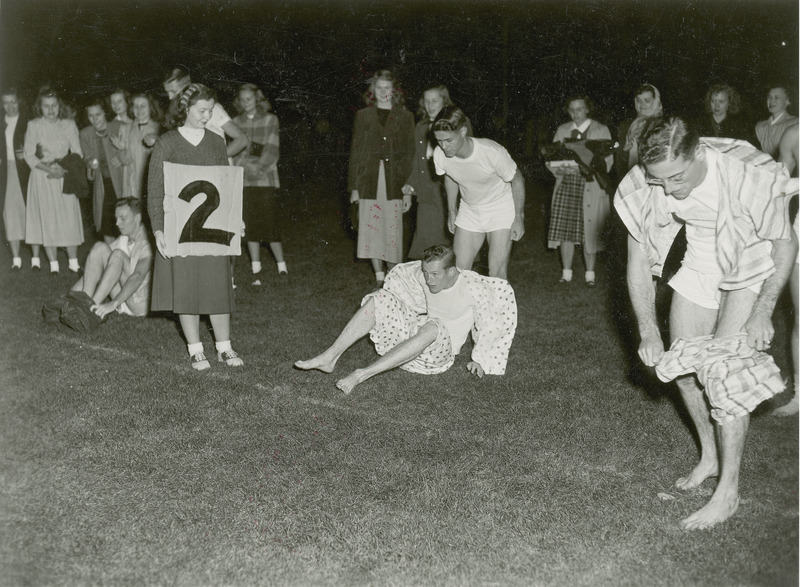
[(122, 466)]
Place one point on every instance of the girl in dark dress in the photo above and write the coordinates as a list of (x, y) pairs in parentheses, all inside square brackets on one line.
[(192, 285)]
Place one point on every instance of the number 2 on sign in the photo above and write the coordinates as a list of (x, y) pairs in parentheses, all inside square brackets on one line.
[(194, 231)]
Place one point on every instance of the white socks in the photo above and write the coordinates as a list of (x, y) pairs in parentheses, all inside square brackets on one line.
[(589, 276), (194, 348), (16, 262), (36, 263), (566, 274), (380, 276), (223, 345), (73, 265), (53, 266), (256, 267)]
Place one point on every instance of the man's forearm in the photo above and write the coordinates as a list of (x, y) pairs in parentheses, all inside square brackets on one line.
[(451, 189), (642, 291), (784, 253), (518, 193), (131, 285)]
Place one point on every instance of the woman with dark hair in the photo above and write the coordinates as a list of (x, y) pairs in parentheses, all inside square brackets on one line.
[(98, 153), (260, 162), (136, 145), (192, 285), (220, 122), (52, 218), (423, 182), (723, 104), (770, 131), (380, 162), (580, 206), (119, 102), (647, 101), (14, 173)]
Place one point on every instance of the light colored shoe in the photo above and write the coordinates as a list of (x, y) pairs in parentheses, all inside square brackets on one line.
[(199, 362), (230, 358), (790, 409)]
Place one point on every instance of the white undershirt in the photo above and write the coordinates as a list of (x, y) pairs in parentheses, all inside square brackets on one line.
[(453, 306), (193, 135), (700, 211)]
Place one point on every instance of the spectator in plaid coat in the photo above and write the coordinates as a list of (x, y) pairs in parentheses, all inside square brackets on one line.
[(580, 206), (261, 181)]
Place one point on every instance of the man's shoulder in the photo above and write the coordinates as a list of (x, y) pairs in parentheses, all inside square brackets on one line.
[(737, 153), (490, 148)]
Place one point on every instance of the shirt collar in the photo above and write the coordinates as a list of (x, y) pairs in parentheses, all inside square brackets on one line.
[(584, 125)]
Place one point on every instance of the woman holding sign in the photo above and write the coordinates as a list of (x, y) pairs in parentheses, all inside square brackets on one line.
[(191, 285)]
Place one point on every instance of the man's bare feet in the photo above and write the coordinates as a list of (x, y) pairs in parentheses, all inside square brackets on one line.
[(320, 362), (348, 383), (714, 512), (700, 473), (789, 409)]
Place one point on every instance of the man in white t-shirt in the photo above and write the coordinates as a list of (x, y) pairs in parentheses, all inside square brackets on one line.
[(220, 122), (733, 200), (421, 318), (492, 192), (117, 276)]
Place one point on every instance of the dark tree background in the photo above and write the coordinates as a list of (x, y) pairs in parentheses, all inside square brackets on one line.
[(508, 64)]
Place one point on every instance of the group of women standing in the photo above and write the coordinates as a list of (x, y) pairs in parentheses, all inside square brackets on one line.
[(391, 163), (580, 207), (123, 155)]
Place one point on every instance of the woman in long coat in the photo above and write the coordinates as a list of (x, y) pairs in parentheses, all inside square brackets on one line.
[(14, 173), (380, 162), (423, 183)]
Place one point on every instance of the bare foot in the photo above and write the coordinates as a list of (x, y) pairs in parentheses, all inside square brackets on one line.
[(714, 512), (789, 409), (320, 362), (700, 473), (348, 383)]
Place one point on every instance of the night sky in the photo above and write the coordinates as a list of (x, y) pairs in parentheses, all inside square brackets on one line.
[(504, 62)]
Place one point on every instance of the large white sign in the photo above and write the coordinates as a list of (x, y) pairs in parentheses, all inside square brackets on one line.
[(202, 210)]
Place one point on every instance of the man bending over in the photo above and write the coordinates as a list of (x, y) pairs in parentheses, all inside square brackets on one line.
[(422, 316), (492, 192), (117, 276), (733, 200)]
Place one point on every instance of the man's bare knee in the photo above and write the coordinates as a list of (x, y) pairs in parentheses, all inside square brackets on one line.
[(99, 253), (734, 310), (428, 333)]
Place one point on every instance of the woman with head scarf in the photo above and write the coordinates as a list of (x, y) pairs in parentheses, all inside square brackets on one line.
[(647, 101)]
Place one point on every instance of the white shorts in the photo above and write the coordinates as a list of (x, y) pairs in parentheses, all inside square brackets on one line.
[(702, 288), (488, 218)]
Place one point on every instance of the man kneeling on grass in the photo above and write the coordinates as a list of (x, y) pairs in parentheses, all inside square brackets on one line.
[(422, 316), (116, 277)]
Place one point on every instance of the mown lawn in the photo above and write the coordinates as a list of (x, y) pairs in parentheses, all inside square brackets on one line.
[(122, 466)]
